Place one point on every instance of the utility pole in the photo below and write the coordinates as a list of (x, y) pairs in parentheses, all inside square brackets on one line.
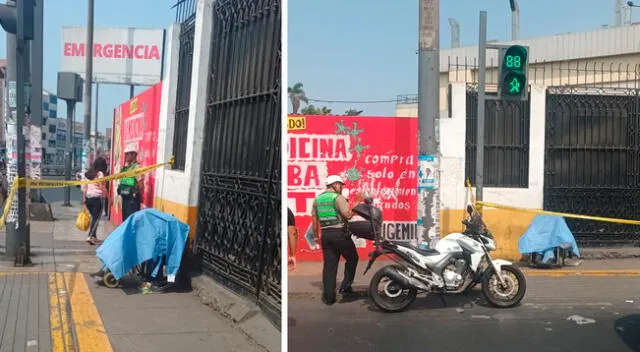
[(455, 33), (95, 123), (428, 217), (88, 81), (36, 79), (515, 19)]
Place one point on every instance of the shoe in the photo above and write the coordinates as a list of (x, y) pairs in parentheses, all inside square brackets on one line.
[(91, 240), (97, 274), (347, 291), (327, 302)]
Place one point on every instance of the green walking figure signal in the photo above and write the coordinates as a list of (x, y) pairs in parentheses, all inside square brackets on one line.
[(514, 63)]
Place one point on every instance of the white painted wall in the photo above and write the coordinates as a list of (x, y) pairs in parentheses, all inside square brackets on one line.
[(198, 105), (173, 185)]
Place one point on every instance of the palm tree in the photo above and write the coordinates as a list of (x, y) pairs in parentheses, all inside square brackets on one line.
[(353, 112), (297, 95), (312, 110)]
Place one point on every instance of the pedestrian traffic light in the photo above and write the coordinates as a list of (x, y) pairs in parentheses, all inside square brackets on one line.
[(10, 18), (513, 73)]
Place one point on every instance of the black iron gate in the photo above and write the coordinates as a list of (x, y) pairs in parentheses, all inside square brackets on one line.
[(238, 237), (506, 149), (592, 161)]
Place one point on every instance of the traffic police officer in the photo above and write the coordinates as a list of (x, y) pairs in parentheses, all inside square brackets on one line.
[(129, 187), (330, 213)]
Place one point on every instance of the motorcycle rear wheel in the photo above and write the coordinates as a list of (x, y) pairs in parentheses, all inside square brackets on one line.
[(514, 295), (385, 302)]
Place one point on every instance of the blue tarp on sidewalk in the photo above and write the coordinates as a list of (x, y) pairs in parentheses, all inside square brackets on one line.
[(545, 233), (148, 234)]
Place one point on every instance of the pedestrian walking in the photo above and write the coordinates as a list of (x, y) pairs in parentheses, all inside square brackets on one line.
[(129, 188), (330, 214), (292, 232), (94, 195)]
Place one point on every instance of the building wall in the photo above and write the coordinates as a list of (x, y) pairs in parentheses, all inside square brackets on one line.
[(176, 190)]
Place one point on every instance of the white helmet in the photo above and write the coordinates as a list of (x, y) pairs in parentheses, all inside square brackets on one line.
[(333, 179), (131, 148)]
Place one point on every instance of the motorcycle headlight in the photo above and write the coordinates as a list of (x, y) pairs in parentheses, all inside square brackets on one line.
[(491, 244)]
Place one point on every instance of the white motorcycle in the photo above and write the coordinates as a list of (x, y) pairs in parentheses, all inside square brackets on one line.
[(457, 263)]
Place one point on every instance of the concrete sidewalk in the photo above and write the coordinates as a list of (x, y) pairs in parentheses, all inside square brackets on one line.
[(55, 305), (306, 279)]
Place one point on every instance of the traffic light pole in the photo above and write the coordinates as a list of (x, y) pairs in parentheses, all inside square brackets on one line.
[(482, 73), (18, 21), (512, 86), (22, 256)]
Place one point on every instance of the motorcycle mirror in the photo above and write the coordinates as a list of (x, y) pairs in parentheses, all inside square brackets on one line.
[(368, 200)]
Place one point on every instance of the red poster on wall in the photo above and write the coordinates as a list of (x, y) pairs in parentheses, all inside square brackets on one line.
[(135, 122), (375, 156)]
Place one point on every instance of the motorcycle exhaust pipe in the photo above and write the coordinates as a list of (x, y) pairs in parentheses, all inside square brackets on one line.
[(403, 280)]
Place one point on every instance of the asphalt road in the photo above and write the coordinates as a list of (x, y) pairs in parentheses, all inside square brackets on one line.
[(558, 314)]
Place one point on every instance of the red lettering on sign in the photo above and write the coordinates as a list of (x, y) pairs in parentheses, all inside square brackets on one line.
[(115, 51), (319, 147), (301, 201)]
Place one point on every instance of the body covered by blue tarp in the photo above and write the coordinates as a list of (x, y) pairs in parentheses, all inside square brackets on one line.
[(545, 233), (147, 234)]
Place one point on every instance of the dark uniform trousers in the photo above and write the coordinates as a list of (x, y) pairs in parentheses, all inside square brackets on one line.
[(336, 243)]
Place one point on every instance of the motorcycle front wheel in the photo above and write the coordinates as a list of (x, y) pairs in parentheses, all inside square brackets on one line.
[(387, 294), (508, 295)]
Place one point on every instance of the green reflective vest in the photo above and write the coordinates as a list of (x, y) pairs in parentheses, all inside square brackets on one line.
[(129, 181), (326, 209)]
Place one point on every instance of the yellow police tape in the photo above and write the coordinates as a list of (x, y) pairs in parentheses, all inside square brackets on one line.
[(39, 184), (545, 212)]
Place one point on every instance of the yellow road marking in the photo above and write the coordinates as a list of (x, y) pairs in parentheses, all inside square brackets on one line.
[(90, 331), (61, 336), (587, 273)]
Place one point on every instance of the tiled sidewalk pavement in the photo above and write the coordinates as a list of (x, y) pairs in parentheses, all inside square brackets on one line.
[(54, 305), (24, 312)]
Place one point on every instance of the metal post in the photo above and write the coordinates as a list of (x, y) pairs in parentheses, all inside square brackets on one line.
[(22, 256), (455, 33), (88, 81), (71, 107), (36, 80), (12, 240), (515, 20), (95, 128), (132, 91), (619, 12), (428, 217), (482, 62)]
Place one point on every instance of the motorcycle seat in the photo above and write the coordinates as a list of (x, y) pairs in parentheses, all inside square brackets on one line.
[(425, 252)]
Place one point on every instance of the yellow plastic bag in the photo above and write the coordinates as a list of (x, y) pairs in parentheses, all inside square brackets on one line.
[(84, 220)]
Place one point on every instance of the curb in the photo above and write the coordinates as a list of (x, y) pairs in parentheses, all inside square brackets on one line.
[(586, 273), (242, 312)]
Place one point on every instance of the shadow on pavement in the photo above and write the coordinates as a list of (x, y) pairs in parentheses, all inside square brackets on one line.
[(628, 329), (466, 300)]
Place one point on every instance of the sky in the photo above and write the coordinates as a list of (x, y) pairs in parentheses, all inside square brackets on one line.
[(363, 50), (107, 13)]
